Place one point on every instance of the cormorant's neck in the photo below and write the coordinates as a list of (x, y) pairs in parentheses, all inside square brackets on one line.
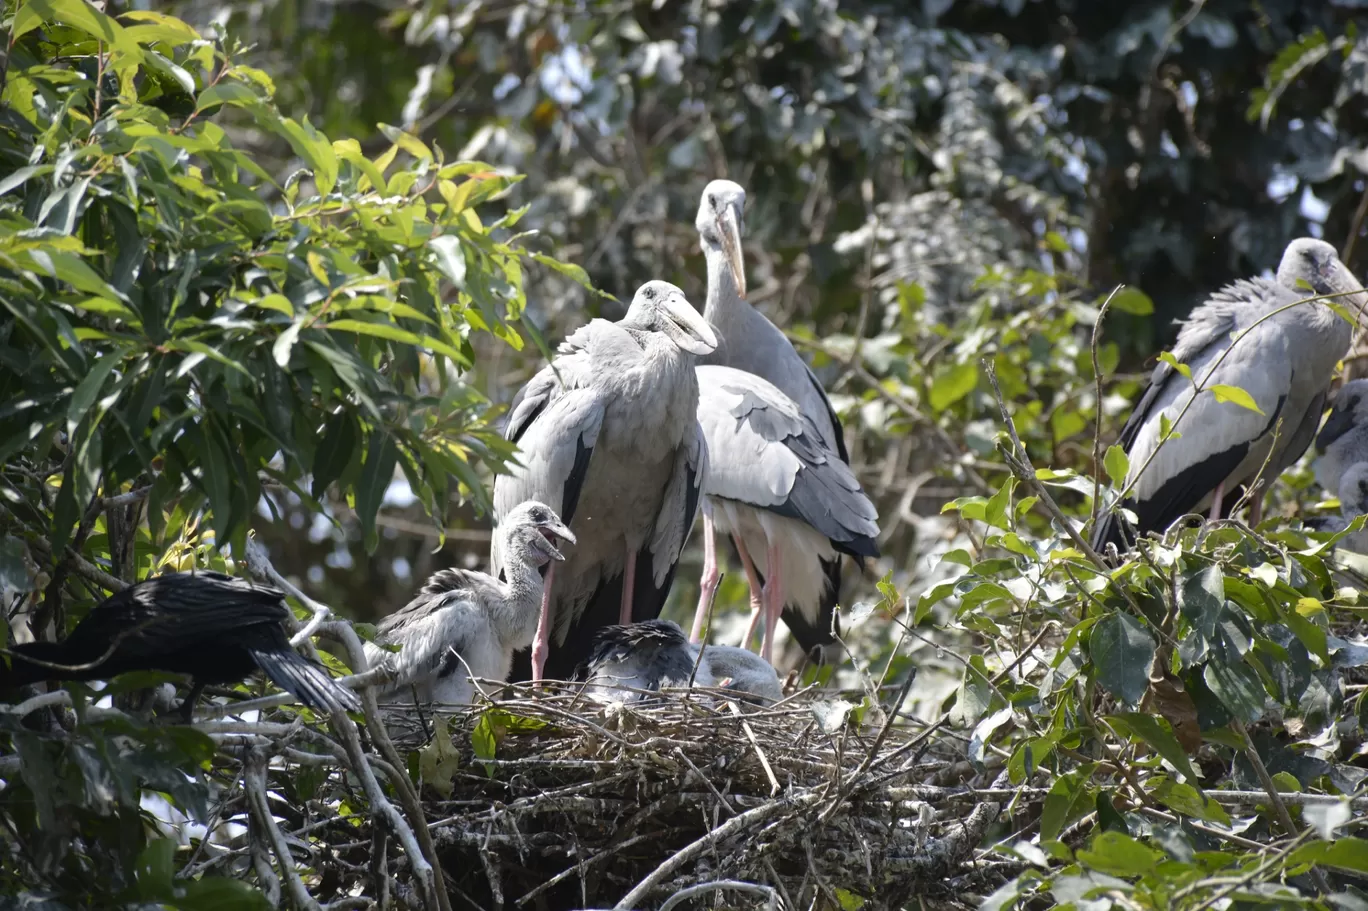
[(23, 672)]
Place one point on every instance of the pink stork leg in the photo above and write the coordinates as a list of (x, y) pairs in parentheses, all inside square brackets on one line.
[(1216, 501), (774, 601), (541, 642), (753, 582), (1256, 509), (707, 585), (628, 582)]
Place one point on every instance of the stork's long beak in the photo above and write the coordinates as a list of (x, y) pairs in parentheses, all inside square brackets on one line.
[(550, 531), (730, 233), (687, 327)]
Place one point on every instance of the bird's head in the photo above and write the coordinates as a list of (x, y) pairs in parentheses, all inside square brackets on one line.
[(1353, 490), (1316, 263), (537, 527), (661, 307), (720, 221), (1350, 411)]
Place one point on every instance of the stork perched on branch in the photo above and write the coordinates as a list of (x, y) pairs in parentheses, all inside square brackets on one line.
[(1268, 338)]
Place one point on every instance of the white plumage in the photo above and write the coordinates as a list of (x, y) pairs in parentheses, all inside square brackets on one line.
[(1342, 465), (465, 624)]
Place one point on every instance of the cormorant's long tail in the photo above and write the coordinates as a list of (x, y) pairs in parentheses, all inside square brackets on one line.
[(310, 683)]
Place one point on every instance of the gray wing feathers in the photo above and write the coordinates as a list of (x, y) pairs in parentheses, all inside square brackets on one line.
[(766, 453), (679, 507)]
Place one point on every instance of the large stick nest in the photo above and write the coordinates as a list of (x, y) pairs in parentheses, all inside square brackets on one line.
[(551, 801)]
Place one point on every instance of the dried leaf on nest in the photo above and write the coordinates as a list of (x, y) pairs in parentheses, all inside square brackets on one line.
[(558, 802)]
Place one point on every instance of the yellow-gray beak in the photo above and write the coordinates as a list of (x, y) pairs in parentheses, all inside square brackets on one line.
[(730, 234)]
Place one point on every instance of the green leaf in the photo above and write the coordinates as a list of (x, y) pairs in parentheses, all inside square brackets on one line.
[(1122, 651), (1068, 799), (1117, 464), (156, 865), (89, 389), (1119, 855), (376, 475), (1186, 799), (393, 333), (1238, 688), (1158, 735), (569, 270), (1201, 598), (1235, 395), (1132, 300), (439, 760), (335, 453), (484, 740), (1348, 854), (219, 893), (79, 15), (1168, 358), (952, 384), (995, 510), (450, 257)]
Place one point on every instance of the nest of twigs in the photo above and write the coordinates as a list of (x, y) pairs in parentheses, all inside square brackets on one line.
[(551, 801)]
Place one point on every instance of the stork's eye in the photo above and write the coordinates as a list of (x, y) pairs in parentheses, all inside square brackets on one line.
[(539, 515)]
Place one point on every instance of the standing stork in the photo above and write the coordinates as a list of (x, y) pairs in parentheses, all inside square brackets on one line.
[(750, 342), (466, 624), (608, 436), (790, 504), (1285, 359)]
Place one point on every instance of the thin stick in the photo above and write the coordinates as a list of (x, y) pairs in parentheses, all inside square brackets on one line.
[(731, 827), (254, 775), (1284, 817), (1097, 430), (750, 734), (735, 885), (698, 659)]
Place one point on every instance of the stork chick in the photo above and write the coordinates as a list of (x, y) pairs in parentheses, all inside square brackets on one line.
[(633, 660), (465, 624)]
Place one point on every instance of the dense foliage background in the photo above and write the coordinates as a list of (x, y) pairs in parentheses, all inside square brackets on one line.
[(275, 267)]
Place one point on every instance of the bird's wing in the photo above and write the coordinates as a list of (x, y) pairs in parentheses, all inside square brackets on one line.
[(1216, 436), (639, 656), (432, 627), (176, 611), (766, 453), (442, 588), (678, 508), (555, 421)]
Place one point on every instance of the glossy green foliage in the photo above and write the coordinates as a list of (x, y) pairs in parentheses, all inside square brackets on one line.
[(181, 319)]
